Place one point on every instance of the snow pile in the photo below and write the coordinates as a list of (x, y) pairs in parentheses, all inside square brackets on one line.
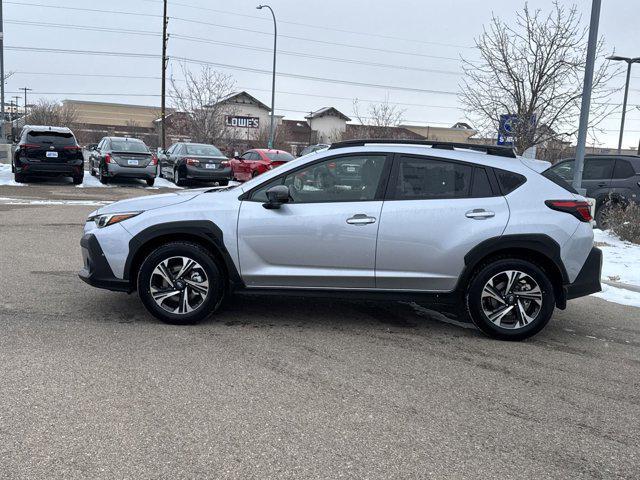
[(621, 264), (6, 177)]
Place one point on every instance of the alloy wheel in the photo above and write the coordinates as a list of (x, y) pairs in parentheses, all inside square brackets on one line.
[(511, 299), (179, 285)]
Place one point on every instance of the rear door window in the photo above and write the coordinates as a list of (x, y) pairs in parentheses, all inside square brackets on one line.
[(56, 139), (598, 169), (427, 178)]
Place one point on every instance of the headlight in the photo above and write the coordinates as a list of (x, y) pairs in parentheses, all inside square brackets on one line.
[(111, 218)]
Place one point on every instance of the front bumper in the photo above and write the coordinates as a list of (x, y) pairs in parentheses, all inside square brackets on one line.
[(208, 175), (588, 280), (96, 271)]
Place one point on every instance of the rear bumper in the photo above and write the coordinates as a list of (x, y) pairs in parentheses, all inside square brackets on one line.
[(96, 270), (75, 169), (212, 175), (147, 173), (588, 280)]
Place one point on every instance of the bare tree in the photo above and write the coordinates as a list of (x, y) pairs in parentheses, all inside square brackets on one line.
[(52, 113), (201, 100), (383, 118), (533, 71)]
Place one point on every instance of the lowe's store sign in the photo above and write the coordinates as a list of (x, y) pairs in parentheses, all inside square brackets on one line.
[(243, 122)]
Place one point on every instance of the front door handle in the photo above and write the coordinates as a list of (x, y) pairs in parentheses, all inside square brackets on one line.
[(361, 219), (479, 214), (602, 185)]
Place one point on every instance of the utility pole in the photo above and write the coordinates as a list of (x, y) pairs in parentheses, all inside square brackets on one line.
[(2, 112), (630, 61), (273, 77), (163, 113), (25, 90), (586, 96)]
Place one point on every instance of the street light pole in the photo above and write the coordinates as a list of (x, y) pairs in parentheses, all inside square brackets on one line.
[(630, 61), (273, 78), (586, 96)]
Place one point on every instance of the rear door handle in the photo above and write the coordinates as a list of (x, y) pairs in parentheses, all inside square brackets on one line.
[(479, 214), (602, 185), (360, 219)]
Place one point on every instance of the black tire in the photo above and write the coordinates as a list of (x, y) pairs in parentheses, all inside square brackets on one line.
[(178, 179), (254, 174), (92, 172), (150, 182), (214, 275), (223, 183), (474, 305), (78, 180), (101, 176), (20, 177)]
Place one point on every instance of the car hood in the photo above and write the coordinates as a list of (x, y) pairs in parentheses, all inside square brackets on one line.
[(150, 202)]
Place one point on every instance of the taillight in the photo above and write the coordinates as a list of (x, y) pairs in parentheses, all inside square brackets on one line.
[(72, 147), (192, 161), (332, 165), (107, 158), (28, 145), (154, 159), (579, 209), (224, 163)]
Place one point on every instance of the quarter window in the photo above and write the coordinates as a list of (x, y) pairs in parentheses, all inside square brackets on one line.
[(424, 178), (623, 169)]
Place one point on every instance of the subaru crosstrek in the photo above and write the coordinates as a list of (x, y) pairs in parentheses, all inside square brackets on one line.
[(452, 224)]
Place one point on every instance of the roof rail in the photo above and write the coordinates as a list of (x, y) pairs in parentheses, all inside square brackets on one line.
[(488, 149)]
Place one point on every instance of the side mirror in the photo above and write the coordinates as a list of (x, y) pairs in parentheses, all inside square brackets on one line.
[(276, 196)]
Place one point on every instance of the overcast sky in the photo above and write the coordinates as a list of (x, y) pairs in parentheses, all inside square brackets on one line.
[(426, 36)]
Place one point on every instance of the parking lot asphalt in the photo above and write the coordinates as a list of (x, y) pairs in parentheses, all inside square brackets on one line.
[(91, 386)]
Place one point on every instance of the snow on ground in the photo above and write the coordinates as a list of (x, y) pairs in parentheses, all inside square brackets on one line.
[(33, 201), (6, 177), (621, 259), (621, 264)]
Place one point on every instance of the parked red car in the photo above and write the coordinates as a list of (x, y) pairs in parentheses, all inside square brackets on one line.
[(254, 162)]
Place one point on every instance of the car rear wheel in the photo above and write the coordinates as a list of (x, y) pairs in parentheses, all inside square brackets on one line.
[(178, 178), (180, 283), (150, 182), (78, 180), (101, 176), (510, 299)]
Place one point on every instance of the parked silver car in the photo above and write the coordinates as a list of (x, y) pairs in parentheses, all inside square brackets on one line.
[(120, 157), (456, 225)]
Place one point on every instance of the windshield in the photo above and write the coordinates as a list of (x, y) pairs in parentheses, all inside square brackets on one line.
[(59, 139), (279, 156), (203, 150), (128, 146)]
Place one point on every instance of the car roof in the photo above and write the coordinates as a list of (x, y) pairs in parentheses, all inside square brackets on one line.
[(46, 128), (126, 139)]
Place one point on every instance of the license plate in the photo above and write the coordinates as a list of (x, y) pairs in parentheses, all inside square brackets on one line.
[(209, 165), (132, 162), (351, 169), (52, 154)]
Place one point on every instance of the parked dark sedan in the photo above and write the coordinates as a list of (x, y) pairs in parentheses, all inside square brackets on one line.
[(183, 162), (47, 151)]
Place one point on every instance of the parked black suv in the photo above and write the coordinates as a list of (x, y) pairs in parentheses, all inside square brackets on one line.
[(47, 151), (610, 179)]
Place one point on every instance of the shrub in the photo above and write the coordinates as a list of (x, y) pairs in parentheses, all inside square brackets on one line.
[(625, 222)]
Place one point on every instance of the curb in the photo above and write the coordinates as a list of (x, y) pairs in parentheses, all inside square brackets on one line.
[(626, 286)]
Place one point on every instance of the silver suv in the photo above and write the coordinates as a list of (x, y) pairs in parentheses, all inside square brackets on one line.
[(456, 225)]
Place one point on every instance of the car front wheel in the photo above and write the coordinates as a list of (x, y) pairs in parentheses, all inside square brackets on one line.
[(510, 299), (180, 283)]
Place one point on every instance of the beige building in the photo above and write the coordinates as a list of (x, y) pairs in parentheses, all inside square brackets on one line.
[(460, 132), (329, 123)]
